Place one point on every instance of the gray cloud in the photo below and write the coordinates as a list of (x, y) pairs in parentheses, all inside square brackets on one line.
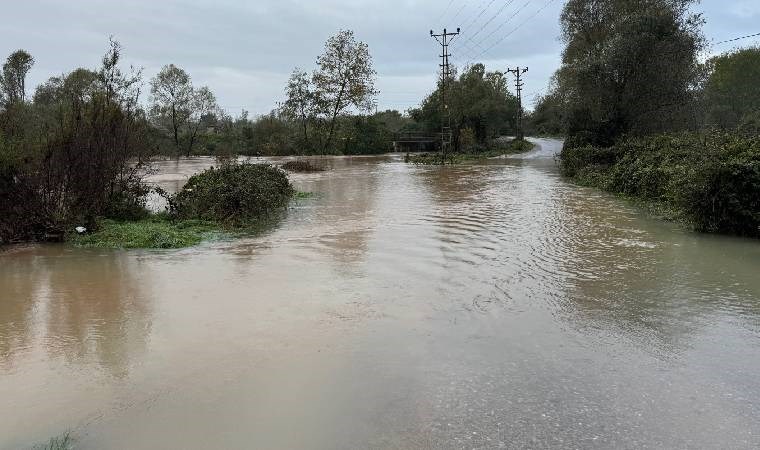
[(244, 50)]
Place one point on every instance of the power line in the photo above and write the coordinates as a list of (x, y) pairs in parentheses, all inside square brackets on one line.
[(488, 22), (445, 41), (737, 39), (459, 11), (445, 10), (482, 11), (499, 41), (509, 19)]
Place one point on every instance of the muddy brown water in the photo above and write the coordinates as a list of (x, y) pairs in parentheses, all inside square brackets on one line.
[(484, 306)]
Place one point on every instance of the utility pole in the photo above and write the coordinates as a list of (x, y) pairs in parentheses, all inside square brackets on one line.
[(445, 39), (518, 72)]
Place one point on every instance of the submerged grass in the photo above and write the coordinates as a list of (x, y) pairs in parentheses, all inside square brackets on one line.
[(160, 231), (157, 232), (301, 195)]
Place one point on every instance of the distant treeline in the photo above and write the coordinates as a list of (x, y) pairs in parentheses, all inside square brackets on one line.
[(77, 149), (645, 117)]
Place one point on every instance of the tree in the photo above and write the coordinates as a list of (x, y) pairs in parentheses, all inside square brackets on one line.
[(202, 107), (172, 94), (732, 92), (629, 66), (478, 101), (344, 78), (13, 78), (180, 107), (549, 116), (300, 101)]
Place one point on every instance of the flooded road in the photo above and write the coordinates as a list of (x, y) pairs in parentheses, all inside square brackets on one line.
[(484, 306)]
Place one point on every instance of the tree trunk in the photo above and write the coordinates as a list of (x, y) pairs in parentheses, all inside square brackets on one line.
[(334, 116)]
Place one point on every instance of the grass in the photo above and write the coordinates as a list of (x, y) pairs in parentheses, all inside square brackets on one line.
[(62, 442), (157, 232)]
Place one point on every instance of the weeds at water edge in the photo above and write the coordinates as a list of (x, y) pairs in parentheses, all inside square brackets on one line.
[(62, 442)]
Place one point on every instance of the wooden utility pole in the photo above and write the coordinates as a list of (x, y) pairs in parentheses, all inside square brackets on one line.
[(518, 72), (445, 39)]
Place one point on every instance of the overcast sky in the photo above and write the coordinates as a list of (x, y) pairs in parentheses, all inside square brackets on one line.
[(245, 49)]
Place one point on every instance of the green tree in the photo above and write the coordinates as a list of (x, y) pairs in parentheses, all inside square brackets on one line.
[(732, 92), (344, 78), (171, 96), (629, 66), (13, 78), (477, 100), (180, 107), (300, 105)]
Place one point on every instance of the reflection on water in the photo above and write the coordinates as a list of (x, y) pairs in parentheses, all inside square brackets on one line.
[(483, 306)]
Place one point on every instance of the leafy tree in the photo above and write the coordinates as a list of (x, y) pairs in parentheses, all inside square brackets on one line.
[(203, 110), (478, 101), (13, 78), (300, 105), (344, 78), (629, 66), (732, 92), (180, 107), (172, 94)]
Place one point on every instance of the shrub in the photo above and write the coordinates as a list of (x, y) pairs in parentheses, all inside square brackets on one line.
[(302, 165), (233, 194), (710, 179)]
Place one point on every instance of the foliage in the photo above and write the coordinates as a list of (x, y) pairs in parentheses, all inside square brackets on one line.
[(65, 157), (629, 67), (344, 79), (13, 77), (549, 116), (180, 109), (711, 179), (233, 194), (732, 91), (157, 232), (301, 105), (478, 101), (496, 149)]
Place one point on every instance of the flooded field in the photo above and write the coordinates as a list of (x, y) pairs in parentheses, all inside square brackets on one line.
[(482, 306)]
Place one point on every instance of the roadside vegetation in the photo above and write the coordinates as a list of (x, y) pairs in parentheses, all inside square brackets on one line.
[(645, 118), (496, 149)]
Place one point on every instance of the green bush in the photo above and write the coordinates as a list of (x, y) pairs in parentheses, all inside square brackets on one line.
[(710, 179), (234, 194)]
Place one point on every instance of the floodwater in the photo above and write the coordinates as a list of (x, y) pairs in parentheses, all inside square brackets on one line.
[(484, 306)]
